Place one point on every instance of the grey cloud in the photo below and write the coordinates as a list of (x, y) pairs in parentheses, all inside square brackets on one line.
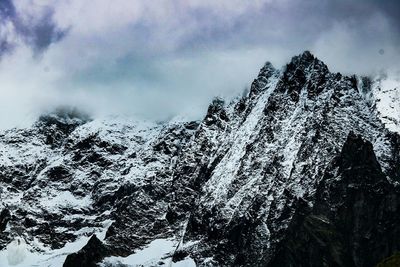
[(175, 58), (7, 9), (42, 32), (294, 25), (5, 46), (7, 12), (163, 58), (37, 31), (288, 22)]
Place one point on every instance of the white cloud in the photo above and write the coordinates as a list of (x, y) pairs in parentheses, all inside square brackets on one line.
[(350, 48), (25, 86), (159, 58)]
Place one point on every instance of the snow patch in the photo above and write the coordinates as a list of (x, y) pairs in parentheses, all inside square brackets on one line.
[(157, 252), (19, 253), (16, 251), (387, 95)]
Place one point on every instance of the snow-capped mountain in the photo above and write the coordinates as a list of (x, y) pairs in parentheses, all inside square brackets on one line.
[(301, 171)]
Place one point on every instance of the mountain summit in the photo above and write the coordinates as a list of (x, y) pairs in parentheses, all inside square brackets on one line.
[(301, 171)]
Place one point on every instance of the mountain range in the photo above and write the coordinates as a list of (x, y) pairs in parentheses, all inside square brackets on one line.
[(301, 170)]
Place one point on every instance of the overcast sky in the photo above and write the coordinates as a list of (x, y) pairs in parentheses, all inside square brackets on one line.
[(157, 59)]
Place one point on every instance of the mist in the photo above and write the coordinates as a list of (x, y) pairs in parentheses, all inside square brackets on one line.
[(159, 60)]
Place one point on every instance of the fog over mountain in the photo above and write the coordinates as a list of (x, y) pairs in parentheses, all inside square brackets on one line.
[(166, 58)]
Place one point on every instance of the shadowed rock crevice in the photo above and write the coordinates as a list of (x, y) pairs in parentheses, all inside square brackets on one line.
[(5, 216)]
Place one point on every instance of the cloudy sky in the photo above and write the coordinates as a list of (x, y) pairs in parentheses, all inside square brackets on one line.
[(156, 59)]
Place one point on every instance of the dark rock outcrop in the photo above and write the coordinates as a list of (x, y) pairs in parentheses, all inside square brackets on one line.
[(57, 125), (92, 253), (355, 217), (5, 216)]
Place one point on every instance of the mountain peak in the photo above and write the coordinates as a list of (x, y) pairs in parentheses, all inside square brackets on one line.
[(268, 66), (58, 124), (266, 71), (307, 54), (304, 60), (304, 71), (305, 57), (64, 115)]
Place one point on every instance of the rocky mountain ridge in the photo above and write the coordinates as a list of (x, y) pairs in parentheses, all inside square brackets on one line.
[(274, 178)]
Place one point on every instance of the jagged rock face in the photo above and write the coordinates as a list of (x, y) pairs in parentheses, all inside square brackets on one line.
[(235, 188), (56, 126), (53, 192), (276, 153), (354, 219)]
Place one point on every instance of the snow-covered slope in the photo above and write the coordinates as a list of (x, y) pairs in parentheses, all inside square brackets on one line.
[(224, 191), (386, 91), (58, 192)]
